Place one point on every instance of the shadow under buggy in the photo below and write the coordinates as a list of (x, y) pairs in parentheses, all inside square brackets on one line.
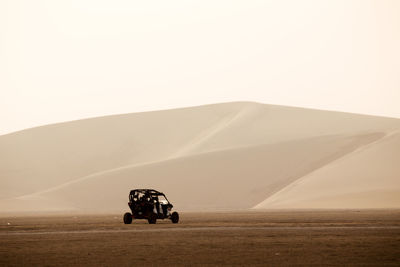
[(151, 205)]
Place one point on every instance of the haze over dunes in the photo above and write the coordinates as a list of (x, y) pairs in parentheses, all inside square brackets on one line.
[(224, 156)]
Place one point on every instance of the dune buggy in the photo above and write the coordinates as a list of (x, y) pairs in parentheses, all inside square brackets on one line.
[(151, 205)]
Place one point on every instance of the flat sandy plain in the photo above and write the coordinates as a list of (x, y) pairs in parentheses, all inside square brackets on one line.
[(276, 238)]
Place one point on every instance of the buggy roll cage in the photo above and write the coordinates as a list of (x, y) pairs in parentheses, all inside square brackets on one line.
[(151, 192)]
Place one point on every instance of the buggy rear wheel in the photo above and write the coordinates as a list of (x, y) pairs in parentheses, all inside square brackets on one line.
[(152, 219), (175, 217), (127, 218)]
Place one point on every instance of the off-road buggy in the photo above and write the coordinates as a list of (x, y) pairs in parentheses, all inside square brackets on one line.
[(151, 205)]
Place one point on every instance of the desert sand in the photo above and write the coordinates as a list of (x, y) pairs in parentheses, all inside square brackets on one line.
[(227, 156), (277, 238)]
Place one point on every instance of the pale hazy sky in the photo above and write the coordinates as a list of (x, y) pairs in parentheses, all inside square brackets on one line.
[(66, 60)]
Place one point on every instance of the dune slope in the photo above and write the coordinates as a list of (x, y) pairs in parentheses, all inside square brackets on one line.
[(228, 179), (367, 178), (222, 156)]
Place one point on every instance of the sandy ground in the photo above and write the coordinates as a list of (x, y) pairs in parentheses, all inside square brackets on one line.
[(244, 238)]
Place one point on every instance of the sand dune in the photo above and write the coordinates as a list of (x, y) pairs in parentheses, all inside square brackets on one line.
[(223, 156), (366, 178)]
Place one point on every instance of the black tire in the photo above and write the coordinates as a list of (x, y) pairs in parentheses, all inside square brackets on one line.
[(127, 218), (175, 217), (152, 219)]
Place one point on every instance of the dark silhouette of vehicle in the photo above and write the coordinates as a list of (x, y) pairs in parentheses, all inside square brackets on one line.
[(151, 205)]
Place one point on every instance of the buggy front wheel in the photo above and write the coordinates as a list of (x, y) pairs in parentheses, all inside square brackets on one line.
[(175, 217)]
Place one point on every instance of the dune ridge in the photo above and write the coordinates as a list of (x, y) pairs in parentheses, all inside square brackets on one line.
[(224, 156)]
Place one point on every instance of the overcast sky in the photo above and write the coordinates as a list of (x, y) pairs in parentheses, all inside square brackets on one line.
[(72, 59)]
